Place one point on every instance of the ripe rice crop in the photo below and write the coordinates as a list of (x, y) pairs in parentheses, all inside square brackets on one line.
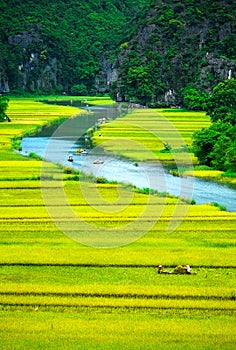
[(142, 133), (56, 293)]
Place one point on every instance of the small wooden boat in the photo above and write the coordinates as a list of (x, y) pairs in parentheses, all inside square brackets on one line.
[(98, 162), (81, 151)]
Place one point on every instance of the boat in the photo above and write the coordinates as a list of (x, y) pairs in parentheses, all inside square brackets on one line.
[(98, 162), (81, 151)]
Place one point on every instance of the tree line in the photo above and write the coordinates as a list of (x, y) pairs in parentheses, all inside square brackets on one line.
[(216, 146)]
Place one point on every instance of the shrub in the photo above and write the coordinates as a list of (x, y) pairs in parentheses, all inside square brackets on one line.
[(79, 89), (221, 207), (101, 180)]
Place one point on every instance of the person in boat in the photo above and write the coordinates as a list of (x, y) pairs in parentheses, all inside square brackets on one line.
[(70, 158), (98, 161)]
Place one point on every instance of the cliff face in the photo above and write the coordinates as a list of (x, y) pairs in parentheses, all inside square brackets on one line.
[(36, 69), (27, 65), (4, 87), (69, 43), (178, 45), (39, 70), (89, 44)]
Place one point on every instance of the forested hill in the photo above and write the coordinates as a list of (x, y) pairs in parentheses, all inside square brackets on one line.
[(178, 45), (48, 45), (149, 51)]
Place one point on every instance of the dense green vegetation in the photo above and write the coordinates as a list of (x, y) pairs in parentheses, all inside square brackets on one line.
[(149, 51), (61, 45), (177, 46), (216, 145), (3, 107), (221, 105)]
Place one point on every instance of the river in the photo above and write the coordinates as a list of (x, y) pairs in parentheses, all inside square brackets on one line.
[(68, 138)]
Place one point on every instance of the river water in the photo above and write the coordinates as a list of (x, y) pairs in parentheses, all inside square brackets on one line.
[(68, 139)]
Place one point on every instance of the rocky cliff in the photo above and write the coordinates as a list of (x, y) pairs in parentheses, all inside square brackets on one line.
[(68, 44), (176, 45), (142, 50)]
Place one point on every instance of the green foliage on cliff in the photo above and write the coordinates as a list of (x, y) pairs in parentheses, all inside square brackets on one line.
[(221, 105), (179, 45), (158, 48), (60, 43)]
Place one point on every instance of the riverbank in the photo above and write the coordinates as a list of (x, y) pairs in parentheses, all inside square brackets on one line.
[(160, 135), (146, 176), (147, 132)]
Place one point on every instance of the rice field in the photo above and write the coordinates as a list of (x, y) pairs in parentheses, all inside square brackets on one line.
[(141, 135), (58, 292)]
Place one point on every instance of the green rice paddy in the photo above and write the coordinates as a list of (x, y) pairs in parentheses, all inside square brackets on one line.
[(151, 129), (57, 293)]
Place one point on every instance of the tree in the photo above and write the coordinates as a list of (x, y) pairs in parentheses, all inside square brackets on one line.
[(3, 107), (204, 141), (138, 85), (221, 105), (194, 99), (224, 151), (79, 89), (215, 146)]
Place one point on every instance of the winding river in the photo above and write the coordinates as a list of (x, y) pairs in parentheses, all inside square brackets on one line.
[(56, 146)]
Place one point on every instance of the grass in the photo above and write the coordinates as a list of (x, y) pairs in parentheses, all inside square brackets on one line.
[(115, 281), (114, 331), (141, 135), (215, 175), (25, 221), (57, 293)]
